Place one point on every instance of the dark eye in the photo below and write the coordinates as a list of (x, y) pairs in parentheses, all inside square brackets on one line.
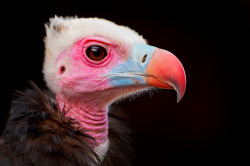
[(96, 53)]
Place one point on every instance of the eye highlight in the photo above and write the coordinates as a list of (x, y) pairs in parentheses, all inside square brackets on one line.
[(96, 53)]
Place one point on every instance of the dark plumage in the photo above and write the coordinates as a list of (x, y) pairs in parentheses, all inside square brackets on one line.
[(38, 134)]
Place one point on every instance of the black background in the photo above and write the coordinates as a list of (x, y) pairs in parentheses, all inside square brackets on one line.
[(211, 39)]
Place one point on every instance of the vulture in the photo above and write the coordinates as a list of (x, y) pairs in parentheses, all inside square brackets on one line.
[(89, 64)]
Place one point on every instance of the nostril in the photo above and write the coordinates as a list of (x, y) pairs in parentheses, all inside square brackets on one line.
[(144, 58), (62, 69)]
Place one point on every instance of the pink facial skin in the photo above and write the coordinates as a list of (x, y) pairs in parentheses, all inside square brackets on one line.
[(80, 82), (83, 74)]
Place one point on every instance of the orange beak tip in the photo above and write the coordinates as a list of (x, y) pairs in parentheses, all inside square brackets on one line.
[(166, 72)]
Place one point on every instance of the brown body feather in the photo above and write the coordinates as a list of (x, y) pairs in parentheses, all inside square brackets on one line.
[(38, 134)]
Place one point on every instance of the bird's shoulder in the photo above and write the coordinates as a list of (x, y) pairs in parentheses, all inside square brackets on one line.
[(36, 128)]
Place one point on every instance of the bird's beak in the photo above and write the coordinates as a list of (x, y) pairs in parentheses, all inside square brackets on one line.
[(148, 65)]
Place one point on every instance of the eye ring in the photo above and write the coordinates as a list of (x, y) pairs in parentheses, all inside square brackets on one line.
[(96, 53)]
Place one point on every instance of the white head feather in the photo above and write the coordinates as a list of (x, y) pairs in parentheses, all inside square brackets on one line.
[(62, 33)]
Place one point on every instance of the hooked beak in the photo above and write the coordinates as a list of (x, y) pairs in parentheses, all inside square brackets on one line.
[(166, 71), (148, 65)]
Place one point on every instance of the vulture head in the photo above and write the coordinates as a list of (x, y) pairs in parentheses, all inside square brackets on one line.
[(90, 63)]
